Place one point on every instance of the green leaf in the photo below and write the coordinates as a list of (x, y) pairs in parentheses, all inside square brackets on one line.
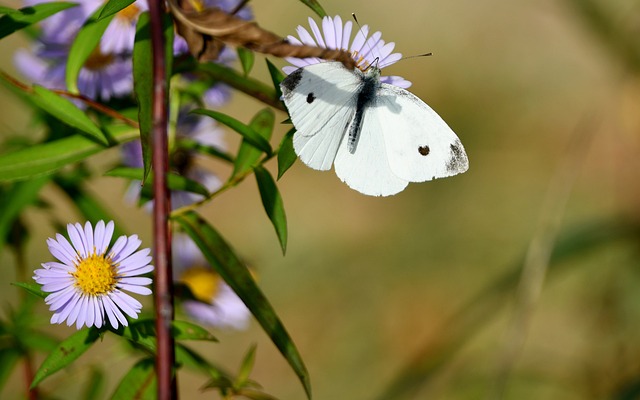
[(247, 132), (191, 359), (143, 331), (143, 86), (286, 155), (83, 46), (66, 112), (66, 352), (262, 123), (113, 7), (254, 394), (190, 144), (48, 157), (143, 79), (273, 205), (277, 76), (35, 340), (14, 201), (15, 20), (8, 10), (32, 288), (139, 383), (94, 385), (253, 87), (224, 260), (8, 359), (315, 6), (174, 181), (247, 58), (246, 367)]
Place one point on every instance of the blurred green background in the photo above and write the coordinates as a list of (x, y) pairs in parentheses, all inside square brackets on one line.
[(417, 296)]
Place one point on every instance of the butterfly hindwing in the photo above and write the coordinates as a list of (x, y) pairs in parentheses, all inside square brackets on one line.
[(367, 168), (419, 145)]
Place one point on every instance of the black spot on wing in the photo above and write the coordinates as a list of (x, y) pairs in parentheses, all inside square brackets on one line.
[(424, 150), (310, 98), (292, 81), (458, 161)]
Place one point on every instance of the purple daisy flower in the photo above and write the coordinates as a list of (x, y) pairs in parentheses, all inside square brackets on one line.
[(217, 305), (119, 36), (336, 35), (86, 285)]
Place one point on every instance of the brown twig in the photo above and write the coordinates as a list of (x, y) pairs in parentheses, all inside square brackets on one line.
[(90, 102), (167, 386)]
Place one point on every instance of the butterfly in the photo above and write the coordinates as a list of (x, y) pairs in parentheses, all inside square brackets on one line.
[(379, 137)]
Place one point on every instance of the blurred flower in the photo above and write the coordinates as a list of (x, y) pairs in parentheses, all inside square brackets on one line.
[(217, 304), (202, 130), (120, 35), (335, 35), (103, 76), (87, 283)]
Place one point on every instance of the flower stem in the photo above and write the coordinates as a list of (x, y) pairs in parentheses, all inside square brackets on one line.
[(167, 386)]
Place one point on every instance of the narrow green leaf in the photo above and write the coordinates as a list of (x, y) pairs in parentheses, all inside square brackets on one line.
[(190, 144), (143, 86), (66, 352), (255, 394), (143, 331), (139, 383), (192, 359), (315, 7), (174, 181), (66, 112), (262, 123), (48, 157), (14, 201), (94, 385), (286, 155), (113, 7), (83, 45), (247, 132), (247, 58), (277, 76), (246, 367), (220, 255), (252, 87), (14, 20), (32, 288), (8, 10), (37, 341), (8, 359), (273, 205)]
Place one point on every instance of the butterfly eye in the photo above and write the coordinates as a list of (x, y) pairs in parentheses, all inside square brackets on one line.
[(423, 150), (310, 98)]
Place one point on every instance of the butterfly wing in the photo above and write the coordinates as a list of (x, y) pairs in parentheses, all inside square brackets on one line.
[(419, 145), (367, 169), (321, 100)]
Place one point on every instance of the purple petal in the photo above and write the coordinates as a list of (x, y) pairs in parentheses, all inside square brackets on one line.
[(145, 291), (76, 239), (316, 32), (88, 235)]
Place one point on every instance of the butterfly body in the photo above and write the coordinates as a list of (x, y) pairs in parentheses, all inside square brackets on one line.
[(379, 137)]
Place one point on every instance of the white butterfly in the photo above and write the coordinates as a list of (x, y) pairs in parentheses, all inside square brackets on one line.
[(378, 136)]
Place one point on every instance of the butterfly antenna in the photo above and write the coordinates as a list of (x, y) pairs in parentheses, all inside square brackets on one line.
[(366, 42)]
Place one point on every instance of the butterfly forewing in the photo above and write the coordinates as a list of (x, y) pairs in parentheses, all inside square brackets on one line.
[(321, 101), (420, 146)]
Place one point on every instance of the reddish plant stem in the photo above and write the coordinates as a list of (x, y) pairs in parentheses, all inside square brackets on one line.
[(32, 394), (167, 387)]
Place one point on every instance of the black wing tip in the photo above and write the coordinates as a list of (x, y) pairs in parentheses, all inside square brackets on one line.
[(292, 81), (458, 161)]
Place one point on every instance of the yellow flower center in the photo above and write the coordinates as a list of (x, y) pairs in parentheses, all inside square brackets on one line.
[(129, 13), (97, 60), (95, 275), (202, 282)]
